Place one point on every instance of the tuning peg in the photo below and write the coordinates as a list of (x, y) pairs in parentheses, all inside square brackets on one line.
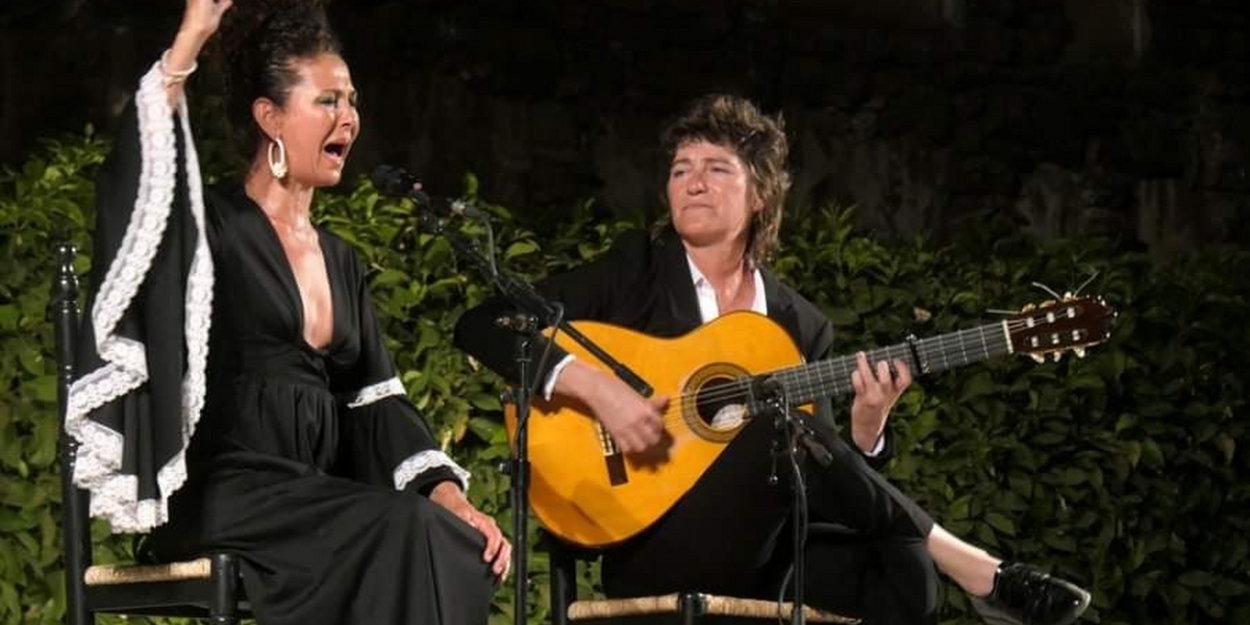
[(1057, 356), (1079, 351), (1038, 358)]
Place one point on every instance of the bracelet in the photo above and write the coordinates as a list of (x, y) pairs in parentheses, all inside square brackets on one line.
[(174, 77)]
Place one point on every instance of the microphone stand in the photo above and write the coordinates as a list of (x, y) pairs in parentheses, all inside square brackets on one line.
[(536, 312), (792, 431)]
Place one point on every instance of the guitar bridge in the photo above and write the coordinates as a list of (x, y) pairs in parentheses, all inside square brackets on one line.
[(613, 459)]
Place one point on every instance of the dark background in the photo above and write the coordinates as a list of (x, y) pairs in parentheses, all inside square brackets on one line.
[(1124, 116)]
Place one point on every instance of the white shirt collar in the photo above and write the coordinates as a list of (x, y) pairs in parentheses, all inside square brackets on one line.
[(708, 308)]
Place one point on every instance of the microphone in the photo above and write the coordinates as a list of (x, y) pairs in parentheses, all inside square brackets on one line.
[(396, 181)]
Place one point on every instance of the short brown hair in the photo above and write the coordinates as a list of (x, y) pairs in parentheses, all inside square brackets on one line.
[(759, 140)]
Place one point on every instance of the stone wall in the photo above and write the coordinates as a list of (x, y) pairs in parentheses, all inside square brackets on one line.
[(1127, 116)]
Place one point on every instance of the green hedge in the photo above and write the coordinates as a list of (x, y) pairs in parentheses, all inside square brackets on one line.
[(1119, 471)]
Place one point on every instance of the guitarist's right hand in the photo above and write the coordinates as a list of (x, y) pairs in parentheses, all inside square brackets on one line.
[(635, 422)]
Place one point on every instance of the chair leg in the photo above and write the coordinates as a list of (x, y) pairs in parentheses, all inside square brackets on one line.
[(563, 589), (77, 614), (223, 608), (76, 538), (691, 607), (75, 526)]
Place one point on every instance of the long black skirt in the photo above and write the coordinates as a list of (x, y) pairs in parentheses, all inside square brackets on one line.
[(317, 549)]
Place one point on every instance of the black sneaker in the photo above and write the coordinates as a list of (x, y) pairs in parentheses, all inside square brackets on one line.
[(1023, 595)]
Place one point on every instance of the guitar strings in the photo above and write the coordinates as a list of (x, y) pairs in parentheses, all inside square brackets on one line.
[(836, 371), (841, 367)]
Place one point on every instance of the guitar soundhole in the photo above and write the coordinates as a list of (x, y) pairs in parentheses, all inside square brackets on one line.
[(721, 403)]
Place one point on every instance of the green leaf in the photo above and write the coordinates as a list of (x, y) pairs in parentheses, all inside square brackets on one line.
[(32, 361), (485, 401), (842, 317), (1197, 579), (485, 429), (1087, 381), (44, 388), (9, 601), (1059, 542), (1124, 422), (1071, 476), (979, 384), (520, 248), (388, 277), (8, 317), (960, 508), (1001, 523), (1132, 451), (1225, 587)]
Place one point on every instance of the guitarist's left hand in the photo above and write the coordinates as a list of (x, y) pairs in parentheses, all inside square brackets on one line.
[(875, 394)]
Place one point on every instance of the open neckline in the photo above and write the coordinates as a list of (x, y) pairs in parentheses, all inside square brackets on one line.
[(293, 282)]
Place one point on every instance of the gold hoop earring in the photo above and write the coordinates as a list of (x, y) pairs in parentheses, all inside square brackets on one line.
[(277, 166)]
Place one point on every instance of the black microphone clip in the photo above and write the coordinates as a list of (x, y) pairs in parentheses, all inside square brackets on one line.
[(397, 182), (521, 323)]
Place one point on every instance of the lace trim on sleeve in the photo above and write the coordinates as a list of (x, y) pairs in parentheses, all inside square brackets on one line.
[(423, 461), (374, 392), (114, 495)]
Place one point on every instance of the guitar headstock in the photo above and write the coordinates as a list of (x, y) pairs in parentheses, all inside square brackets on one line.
[(1057, 326)]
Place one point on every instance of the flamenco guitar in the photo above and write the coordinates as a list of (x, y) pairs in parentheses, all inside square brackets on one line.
[(588, 493)]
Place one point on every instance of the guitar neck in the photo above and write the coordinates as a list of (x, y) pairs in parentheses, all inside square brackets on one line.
[(832, 377)]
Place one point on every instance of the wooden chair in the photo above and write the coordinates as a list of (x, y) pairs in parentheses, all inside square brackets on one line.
[(206, 588), (684, 608)]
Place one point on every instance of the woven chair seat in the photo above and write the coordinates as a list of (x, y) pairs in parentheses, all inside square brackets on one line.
[(713, 605), (109, 574)]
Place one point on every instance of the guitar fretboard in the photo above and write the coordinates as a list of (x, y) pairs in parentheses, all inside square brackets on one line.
[(832, 377)]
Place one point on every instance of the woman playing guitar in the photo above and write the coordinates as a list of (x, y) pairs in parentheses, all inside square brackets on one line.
[(725, 533)]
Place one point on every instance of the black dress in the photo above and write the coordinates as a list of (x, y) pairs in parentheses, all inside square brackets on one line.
[(311, 464)]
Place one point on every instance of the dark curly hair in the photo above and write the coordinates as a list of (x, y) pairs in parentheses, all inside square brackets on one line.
[(759, 140), (258, 44)]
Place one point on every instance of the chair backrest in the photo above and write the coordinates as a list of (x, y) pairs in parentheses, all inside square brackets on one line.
[(75, 524)]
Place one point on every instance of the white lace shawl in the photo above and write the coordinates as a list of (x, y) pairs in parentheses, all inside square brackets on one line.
[(114, 494)]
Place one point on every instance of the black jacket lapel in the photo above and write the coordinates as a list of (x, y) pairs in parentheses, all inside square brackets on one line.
[(674, 278), (780, 305)]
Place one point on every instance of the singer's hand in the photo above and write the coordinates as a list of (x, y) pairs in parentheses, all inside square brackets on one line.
[(202, 18), (634, 422), (498, 551)]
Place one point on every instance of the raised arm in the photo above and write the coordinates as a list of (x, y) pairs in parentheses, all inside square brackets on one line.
[(144, 342), (200, 19)]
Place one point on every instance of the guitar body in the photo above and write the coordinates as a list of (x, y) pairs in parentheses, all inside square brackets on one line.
[(588, 494)]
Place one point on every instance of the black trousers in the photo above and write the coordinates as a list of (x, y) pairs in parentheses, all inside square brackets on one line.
[(731, 535)]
